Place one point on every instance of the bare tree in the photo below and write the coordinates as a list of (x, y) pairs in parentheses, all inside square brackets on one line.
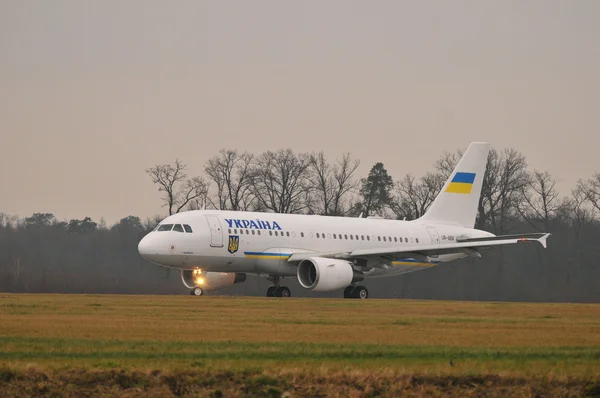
[(506, 178), (541, 201), (179, 190), (231, 173), (577, 211), (280, 181), (7, 220), (331, 184), (413, 197), (590, 189)]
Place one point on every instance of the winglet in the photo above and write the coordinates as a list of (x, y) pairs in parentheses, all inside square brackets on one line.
[(543, 239)]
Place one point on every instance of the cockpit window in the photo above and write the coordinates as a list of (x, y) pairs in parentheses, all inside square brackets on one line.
[(187, 228), (178, 228), (165, 227)]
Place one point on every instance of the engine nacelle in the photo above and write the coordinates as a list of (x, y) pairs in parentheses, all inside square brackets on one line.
[(210, 281), (324, 274)]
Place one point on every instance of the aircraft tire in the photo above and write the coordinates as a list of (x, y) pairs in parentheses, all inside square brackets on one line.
[(360, 292), (283, 291), (197, 291), (271, 291), (348, 292)]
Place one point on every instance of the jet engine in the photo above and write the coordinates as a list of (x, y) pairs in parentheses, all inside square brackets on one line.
[(209, 281), (324, 274)]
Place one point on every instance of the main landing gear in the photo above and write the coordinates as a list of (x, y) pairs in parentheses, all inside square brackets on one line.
[(277, 290), (197, 291), (359, 292)]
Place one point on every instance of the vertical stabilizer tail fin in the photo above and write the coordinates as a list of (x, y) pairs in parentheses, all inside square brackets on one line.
[(458, 201)]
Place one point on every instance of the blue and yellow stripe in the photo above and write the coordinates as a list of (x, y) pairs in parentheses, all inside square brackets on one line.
[(413, 263), (266, 255), (461, 183)]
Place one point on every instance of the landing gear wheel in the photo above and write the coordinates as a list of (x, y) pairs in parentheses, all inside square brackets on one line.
[(197, 291), (360, 292), (283, 291), (348, 292), (271, 291)]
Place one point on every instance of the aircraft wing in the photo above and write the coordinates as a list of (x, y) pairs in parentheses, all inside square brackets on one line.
[(469, 247)]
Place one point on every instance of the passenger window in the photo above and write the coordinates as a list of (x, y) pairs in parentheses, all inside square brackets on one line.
[(417, 239), (241, 232), (302, 234), (368, 238), (390, 238), (351, 237), (395, 239), (229, 230), (258, 232), (379, 238), (235, 231), (165, 227), (384, 238), (317, 234), (253, 232), (177, 228), (247, 232), (276, 233), (345, 236), (323, 235), (187, 228), (288, 233), (271, 233), (362, 237), (356, 237), (334, 236)]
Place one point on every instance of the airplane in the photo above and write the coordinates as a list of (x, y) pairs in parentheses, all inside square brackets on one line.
[(214, 248)]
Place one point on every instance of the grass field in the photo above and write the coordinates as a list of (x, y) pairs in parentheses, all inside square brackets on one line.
[(184, 345)]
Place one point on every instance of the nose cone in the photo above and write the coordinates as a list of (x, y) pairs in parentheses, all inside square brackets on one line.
[(145, 247)]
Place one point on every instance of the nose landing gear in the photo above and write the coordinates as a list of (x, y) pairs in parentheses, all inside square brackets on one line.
[(197, 291)]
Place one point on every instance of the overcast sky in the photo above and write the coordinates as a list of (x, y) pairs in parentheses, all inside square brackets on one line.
[(94, 92)]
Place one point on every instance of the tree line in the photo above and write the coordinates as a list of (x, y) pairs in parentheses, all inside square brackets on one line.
[(42, 254), (288, 182)]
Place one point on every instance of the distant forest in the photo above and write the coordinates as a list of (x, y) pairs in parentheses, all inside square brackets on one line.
[(42, 254)]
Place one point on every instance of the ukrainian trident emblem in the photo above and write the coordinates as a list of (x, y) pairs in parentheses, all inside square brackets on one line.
[(234, 243)]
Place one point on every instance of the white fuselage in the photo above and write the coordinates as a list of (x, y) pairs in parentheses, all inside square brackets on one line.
[(261, 243)]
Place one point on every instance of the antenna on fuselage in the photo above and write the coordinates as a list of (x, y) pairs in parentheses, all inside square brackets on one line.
[(360, 215)]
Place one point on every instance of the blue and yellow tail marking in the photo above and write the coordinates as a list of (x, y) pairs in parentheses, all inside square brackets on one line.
[(461, 183)]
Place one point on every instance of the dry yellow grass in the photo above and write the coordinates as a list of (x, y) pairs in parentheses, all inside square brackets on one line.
[(376, 341), (186, 318)]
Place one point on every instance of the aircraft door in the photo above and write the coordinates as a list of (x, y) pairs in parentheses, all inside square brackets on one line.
[(435, 237), (216, 233)]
